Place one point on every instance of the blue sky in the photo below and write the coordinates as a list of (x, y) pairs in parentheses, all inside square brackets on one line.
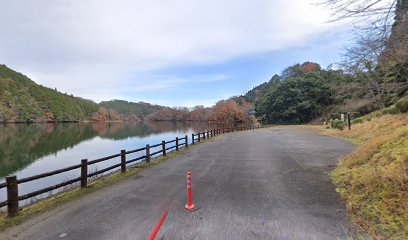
[(175, 53)]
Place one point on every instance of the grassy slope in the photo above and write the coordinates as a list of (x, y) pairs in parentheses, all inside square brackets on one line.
[(373, 178)]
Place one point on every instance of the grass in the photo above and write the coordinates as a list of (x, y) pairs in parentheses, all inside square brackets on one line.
[(373, 178), (47, 204)]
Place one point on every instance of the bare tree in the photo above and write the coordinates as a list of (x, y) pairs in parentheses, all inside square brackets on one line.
[(381, 28), (380, 50)]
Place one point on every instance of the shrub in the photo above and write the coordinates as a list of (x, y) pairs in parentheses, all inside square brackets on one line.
[(377, 114), (357, 120), (334, 123), (391, 110), (402, 104)]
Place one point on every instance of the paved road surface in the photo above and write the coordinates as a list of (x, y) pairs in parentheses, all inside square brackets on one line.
[(262, 184)]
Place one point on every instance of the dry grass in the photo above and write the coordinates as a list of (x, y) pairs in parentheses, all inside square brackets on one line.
[(373, 178)]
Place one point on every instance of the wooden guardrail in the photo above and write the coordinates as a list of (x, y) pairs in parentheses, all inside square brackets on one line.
[(148, 152)]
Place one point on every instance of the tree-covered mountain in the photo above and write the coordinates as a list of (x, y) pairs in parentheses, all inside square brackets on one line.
[(130, 110), (304, 92), (22, 100)]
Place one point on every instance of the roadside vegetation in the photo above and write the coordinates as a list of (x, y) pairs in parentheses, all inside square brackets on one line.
[(373, 178)]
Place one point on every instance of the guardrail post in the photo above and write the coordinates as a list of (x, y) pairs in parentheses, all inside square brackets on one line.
[(147, 153), (12, 196), (186, 141), (199, 137), (204, 135), (84, 173), (164, 148), (123, 160), (192, 138), (208, 134), (177, 143)]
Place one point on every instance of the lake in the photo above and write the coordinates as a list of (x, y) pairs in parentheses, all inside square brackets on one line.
[(27, 150)]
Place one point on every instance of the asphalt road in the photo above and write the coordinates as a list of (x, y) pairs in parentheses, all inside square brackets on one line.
[(261, 184)]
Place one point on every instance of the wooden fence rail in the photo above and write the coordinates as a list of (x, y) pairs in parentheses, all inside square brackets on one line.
[(149, 151)]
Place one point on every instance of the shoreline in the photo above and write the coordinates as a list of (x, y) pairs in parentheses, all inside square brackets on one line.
[(112, 121)]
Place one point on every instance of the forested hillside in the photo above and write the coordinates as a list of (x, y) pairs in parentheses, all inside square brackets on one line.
[(131, 110), (22, 100), (304, 92)]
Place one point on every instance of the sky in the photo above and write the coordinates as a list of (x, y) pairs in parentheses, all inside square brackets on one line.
[(173, 53)]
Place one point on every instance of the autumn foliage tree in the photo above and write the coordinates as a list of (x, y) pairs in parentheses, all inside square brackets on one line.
[(227, 111), (103, 115)]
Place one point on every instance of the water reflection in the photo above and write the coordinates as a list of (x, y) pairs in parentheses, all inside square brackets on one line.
[(21, 144), (27, 150)]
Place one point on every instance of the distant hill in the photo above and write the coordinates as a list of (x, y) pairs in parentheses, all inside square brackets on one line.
[(131, 109), (22, 100)]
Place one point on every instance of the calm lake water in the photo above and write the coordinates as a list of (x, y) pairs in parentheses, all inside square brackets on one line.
[(27, 150)]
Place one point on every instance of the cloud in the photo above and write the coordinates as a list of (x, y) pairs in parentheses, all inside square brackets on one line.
[(79, 45)]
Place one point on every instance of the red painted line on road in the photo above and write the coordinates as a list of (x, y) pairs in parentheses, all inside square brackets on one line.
[(158, 225)]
